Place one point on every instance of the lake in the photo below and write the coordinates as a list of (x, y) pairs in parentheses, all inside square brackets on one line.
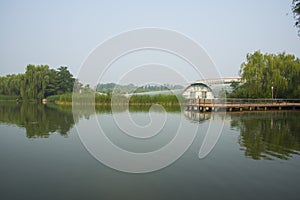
[(256, 155)]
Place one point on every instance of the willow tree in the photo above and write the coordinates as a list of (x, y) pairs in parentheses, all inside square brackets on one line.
[(38, 82), (35, 82), (264, 74), (10, 84)]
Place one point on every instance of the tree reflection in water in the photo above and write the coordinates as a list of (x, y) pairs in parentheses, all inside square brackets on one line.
[(39, 120), (268, 135), (263, 135)]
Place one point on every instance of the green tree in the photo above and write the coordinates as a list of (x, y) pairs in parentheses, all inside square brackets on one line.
[(65, 80), (261, 72), (296, 11), (38, 82), (34, 84), (53, 83)]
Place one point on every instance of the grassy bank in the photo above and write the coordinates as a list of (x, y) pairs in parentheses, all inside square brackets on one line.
[(8, 98), (138, 100)]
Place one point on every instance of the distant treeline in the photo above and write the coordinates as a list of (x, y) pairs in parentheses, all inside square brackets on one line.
[(109, 88), (38, 82)]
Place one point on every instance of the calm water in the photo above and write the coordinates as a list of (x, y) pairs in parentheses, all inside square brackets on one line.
[(42, 157)]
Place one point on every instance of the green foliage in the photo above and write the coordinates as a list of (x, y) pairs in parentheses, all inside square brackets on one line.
[(53, 83), (101, 99), (66, 97), (261, 72), (65, 80), (10, 84), (234, 85), (84, 98), (106, 88), (8, 97), (53, 98), (296, 10), (169, 99), (35, 81), (146, 108), (38, 82)]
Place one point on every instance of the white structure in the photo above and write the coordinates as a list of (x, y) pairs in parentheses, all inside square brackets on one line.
[(220, 81), (198, 91), (209, 88)]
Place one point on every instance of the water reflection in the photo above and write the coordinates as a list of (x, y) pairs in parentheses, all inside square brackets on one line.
[(197, 116), (39, 120), (263, 135), (268, 135)]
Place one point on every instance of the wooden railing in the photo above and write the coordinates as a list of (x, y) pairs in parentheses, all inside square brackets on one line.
[(241, 104), (241, 101)]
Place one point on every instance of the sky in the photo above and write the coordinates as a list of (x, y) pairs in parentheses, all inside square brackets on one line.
[(64, 33)]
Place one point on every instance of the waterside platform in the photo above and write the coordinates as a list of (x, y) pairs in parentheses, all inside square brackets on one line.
[(207, 105)]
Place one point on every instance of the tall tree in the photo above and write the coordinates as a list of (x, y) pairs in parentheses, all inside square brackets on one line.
[(296, 10), (267, 74), (53, 83), (38, 82), (65, 80), (35, 82)]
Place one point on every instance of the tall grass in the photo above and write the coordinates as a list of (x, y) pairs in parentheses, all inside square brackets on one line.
[(8, 98), (100, 99), (53, 98)]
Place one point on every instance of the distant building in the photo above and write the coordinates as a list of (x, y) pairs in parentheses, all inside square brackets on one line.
[(209, 88), (198, 91)]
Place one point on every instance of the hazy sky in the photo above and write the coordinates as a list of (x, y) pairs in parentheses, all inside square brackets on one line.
[(65, 32)]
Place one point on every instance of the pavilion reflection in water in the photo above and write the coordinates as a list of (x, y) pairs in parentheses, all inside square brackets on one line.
[(197, 116)]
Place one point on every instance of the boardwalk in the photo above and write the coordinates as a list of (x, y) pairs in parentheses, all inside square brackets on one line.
[(242, 104)]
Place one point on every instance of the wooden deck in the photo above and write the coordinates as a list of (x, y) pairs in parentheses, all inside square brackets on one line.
[(241, 104)]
